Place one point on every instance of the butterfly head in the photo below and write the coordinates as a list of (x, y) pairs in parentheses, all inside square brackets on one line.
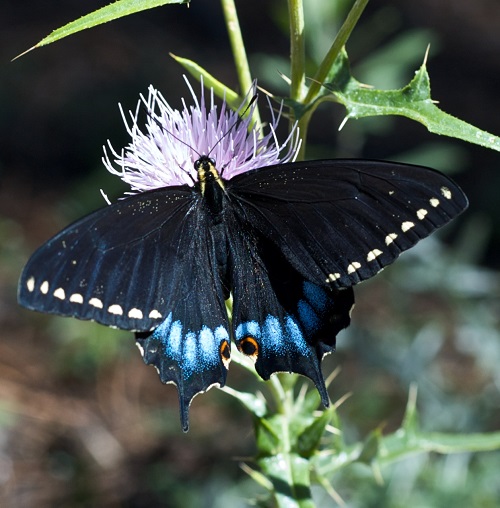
[(207, 172), (204, 165)]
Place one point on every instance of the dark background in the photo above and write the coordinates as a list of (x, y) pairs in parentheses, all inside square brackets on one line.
[(82, 421)]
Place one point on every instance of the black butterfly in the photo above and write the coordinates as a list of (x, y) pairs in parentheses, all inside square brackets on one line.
[(287, 241)]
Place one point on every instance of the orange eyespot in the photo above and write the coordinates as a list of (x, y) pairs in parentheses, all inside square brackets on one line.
[(225, 353), (249, 347)]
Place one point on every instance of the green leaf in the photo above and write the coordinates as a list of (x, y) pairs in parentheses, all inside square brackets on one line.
[(116, 10), (399, 445), (413, 101), (408, 440), (309, 439), (290, 475), (254, 403), (222, 91), (370, 447), (269, 439), (411, 417), (310, 402), (257, 477), (209, 81), (245, 362)]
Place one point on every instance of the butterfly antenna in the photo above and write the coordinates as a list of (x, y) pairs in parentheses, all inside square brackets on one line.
[(249, 105)]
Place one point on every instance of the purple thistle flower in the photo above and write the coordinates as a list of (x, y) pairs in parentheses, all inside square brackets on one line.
[(173, 140)]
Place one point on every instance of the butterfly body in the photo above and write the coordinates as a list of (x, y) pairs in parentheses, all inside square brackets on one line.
[(287, 241)]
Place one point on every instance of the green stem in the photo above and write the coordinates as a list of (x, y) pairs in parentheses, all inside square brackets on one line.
[(334, 51), (324, 68), (303, 125), (297, 50), (238, 49), (297, 64), (288, 472)]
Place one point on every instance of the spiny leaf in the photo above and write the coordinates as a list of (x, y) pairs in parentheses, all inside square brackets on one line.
[(290, 475), (413, 101), (408, 440), (268, 436), (257, 477), (116, 10), (371, 447), (256, 404), (399, 445), (309, 439), (411, 417)]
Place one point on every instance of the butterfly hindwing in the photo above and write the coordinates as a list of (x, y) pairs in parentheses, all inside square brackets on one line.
[(282, 321), (341, 221)]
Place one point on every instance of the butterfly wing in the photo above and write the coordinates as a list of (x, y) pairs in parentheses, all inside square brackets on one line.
[(191, 348), (115, 265), (296, 235), (339, 222), (144, 263), (282, 321)]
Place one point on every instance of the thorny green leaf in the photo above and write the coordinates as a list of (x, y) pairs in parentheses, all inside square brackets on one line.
[(110, 12), (412, 101)]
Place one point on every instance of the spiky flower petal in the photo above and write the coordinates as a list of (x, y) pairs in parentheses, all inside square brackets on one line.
[(173, 140)]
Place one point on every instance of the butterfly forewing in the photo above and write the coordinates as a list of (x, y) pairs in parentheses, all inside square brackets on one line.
[(341, 221), (147, 263), (117, 265)]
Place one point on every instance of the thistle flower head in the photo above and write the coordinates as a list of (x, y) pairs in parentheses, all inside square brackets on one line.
[(164, 153)]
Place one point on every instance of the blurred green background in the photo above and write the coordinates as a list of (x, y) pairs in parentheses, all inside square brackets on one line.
[(83, 422)]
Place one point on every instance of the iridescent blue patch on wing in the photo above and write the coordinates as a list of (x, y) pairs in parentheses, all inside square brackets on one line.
[(248, 328), (161, 329), (195, 352), (294, 332), (190, 359), (316, 296), (277, 337), (221, 334), (172, 340), (308, 317), (272, 332)]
